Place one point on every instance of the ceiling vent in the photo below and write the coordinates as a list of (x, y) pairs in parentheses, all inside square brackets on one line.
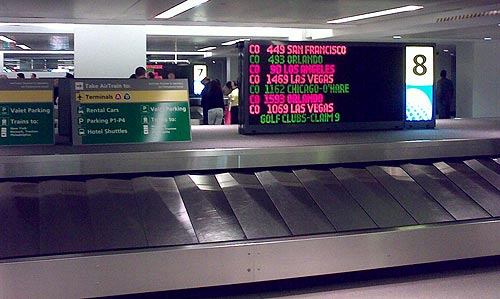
[(468, 16)]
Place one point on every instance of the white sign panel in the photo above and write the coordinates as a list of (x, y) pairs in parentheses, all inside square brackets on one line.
[(419, 83)]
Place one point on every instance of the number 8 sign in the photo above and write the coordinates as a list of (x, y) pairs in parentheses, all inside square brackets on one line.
[(419, 83)]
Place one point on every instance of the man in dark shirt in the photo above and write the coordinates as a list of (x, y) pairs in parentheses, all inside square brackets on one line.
[(444, 95), (204, 101)]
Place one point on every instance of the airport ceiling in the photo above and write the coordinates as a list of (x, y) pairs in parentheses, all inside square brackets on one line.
[(439, 21)]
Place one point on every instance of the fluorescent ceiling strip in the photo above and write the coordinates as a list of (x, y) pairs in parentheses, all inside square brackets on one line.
[(376, 14), (204, 54), (233, 42), (178, 9), (170, 60), (175, 53), (6, 39), (207, 49), (24, 47)]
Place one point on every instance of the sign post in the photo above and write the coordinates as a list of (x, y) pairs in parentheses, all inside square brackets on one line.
[(420, 86)]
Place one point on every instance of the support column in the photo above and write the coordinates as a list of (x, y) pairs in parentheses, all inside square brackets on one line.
[(109, 51), (1, 62), (465, 79), (232, 68), (486, 92)]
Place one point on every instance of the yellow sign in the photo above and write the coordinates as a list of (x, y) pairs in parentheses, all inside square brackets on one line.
[(26, 96), (143, 96)]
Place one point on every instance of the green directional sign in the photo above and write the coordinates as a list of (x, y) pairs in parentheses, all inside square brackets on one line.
[(130, 111), (26, 112)]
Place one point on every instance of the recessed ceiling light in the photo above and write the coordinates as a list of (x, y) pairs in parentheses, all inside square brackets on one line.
[(175, 53), (6, 39), (446, 50), (24, 47), (487, 38), (376, 14), (207, 49), (173, 61), (233, 42), (396, 36), (180, 8)]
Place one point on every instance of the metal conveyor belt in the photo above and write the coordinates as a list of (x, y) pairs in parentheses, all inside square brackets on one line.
[(56, 217)]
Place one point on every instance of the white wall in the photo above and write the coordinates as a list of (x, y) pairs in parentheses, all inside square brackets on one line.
[(465, 79), (486, 92), (232, 68), (445, 61), (109, 51), (478, 79)]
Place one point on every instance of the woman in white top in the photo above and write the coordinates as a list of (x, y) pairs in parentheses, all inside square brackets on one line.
[(234, 102)]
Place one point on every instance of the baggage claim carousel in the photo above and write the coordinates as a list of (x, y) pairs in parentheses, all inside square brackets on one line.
[(89, 221)]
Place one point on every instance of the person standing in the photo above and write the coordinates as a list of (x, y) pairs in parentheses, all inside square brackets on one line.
[(227, 88), (234, 102), (215, 101), (204, 101), (140, 73), (444, 95)]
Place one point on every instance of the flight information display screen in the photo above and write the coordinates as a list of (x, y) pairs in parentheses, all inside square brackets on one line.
[(320, 86)]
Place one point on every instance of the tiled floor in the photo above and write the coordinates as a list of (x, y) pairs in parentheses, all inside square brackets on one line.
[(453, 285), (470, 279)]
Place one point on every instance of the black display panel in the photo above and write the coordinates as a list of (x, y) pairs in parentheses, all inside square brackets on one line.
[(321, 86)]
